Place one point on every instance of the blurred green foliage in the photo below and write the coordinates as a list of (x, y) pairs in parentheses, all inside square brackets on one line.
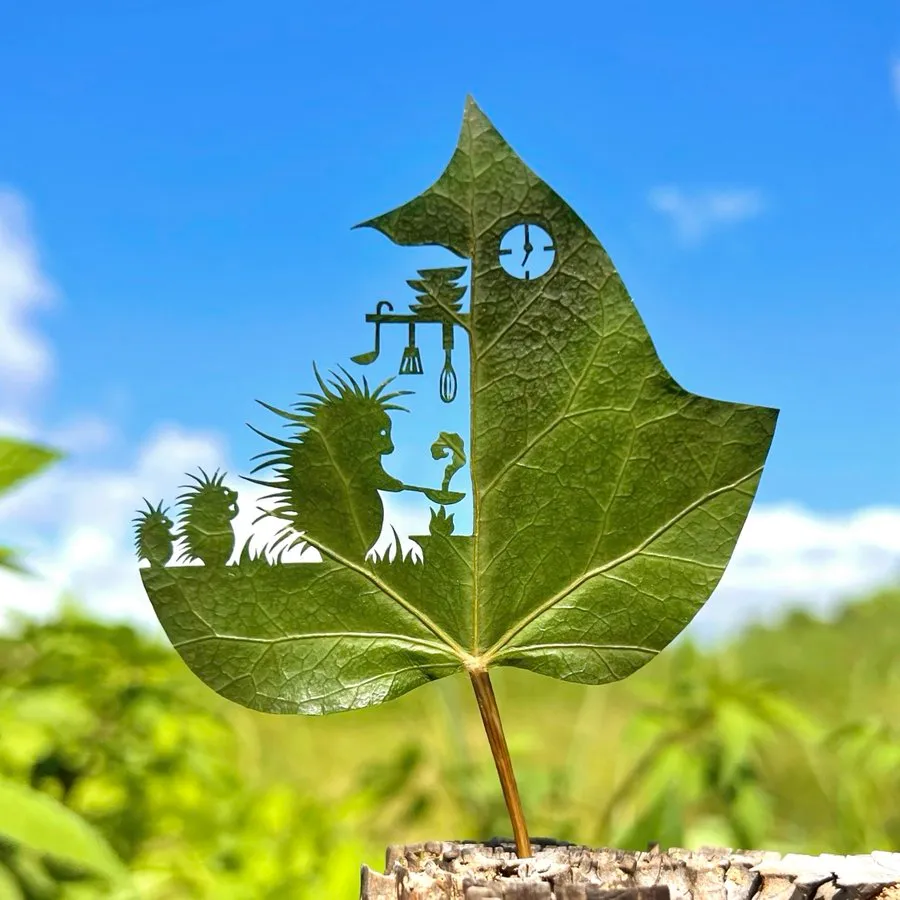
[(20, 460), (741, 746), (785, 738)]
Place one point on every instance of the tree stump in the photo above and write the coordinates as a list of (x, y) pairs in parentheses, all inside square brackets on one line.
[(460, 870)]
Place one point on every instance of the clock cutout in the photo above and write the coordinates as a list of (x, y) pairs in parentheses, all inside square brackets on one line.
[(526, 251)]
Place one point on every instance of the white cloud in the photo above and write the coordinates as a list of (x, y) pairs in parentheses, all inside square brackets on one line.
[(76, 520), (791, 557), (696, 215), (80, 435), (74, 526), (76, 523), (14, 424), (25, 358)]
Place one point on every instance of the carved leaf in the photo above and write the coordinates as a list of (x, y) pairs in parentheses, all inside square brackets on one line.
[(607, 499)]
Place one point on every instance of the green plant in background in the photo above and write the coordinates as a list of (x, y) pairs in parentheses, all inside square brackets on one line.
[(20, 460), (104, 725), (607, 499), (708, 731), (42, 843), (200, 798)]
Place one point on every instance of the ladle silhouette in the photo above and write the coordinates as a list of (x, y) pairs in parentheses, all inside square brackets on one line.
[(363, 359), (436, 495)]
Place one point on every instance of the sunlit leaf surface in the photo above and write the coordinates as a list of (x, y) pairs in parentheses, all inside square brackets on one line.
[(607, 499)]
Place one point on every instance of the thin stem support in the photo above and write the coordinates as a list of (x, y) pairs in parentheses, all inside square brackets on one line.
[(490, 716)]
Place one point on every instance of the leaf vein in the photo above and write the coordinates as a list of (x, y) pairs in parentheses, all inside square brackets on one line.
[(612, 564)]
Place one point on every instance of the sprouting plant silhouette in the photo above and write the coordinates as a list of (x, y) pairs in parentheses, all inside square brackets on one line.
[(441, 522), (447, 444), (329, 473), (154, 540), (208, 508), (249, 559)]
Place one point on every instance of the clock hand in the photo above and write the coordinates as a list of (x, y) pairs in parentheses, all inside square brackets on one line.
[(527, 246)]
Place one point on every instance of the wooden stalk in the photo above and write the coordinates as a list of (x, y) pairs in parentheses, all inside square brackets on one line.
[(490, 716)]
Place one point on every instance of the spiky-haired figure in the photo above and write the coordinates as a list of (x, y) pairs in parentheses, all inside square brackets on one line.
[(329, 473), (208, 508), (154, 540)]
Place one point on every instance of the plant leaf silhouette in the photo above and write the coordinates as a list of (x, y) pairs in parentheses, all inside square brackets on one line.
[(20, 460), (437, 291), (607, 499)]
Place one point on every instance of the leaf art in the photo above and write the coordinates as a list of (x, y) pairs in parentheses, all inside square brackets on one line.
[(607, 499)]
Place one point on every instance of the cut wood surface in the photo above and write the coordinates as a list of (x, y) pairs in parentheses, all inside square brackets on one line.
[(457, 870)]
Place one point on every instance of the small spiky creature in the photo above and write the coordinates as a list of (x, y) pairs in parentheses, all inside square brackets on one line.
[(154, 540), (208, 508)]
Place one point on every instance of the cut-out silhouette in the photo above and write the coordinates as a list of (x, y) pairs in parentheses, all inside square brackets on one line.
[(330, 472), (411, 363), (438, 291), (441, 522), (325, 483), (366, 359), (449, 444), (154, 540), (606, 499), (208, 509), (439, 300)]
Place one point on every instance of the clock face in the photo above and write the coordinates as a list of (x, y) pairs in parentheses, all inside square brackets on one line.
[(526, 251)]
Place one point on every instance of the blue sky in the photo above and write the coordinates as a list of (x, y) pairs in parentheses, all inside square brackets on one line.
[(181, 178)]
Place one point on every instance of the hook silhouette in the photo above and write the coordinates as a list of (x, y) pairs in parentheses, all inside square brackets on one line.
[(363, 359)]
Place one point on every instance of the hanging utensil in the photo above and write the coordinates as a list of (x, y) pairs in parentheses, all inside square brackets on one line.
[(448, 376), (411, 362), (363, 359), (435, 495)]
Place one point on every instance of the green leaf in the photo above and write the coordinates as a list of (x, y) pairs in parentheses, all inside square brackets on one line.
[(36, 821), (9, 887), (20, 460), (9, 560), (607, 498)]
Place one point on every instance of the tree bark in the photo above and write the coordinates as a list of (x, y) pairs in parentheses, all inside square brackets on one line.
[(454, 870)]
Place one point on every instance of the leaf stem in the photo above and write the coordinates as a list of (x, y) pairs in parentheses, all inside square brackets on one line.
[(490, 716)]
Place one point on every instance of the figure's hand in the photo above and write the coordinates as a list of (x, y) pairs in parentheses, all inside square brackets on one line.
[(389, 483)]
